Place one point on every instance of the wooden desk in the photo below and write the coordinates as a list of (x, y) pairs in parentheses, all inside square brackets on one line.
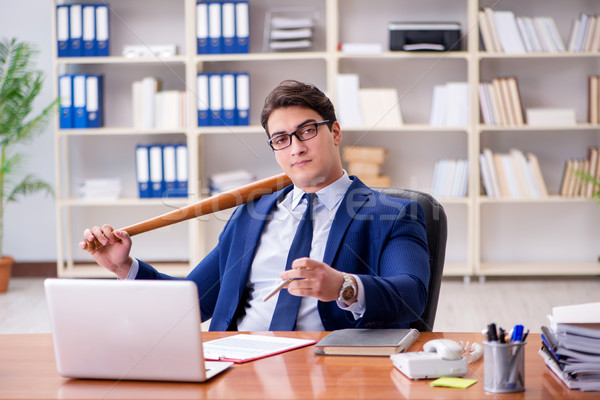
[(27, 370)]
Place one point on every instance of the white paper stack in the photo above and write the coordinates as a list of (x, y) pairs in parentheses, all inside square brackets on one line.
[(100, 189), (225, 181)]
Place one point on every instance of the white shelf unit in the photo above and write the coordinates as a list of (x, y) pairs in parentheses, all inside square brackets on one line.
[(553, 235), (482, 232)]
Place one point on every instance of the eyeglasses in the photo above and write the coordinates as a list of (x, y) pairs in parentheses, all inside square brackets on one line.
[(305, 132)]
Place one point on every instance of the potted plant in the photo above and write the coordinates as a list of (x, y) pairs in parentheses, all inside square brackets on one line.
[(20, 84)]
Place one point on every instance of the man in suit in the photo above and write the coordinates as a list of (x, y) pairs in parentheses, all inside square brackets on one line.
[(367, 264)]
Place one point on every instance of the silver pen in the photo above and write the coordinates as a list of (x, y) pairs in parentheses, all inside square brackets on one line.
[(277, 289)]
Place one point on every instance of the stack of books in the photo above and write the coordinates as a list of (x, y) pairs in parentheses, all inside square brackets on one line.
[(511, 175), (571, 345), (572, 184), (502, 32), (365, 163), (500, 102)]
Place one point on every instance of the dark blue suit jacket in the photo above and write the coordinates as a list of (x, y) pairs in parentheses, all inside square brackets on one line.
[(379, 238)]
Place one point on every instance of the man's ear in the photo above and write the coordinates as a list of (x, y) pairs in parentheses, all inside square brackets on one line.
[(336, 131)]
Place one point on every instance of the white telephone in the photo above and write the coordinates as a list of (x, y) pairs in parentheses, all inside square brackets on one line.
[(441, 357)]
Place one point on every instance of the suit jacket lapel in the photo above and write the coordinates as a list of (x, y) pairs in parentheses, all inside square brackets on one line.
[(356, 197)]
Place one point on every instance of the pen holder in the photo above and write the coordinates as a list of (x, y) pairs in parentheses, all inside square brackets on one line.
[(504, 367)]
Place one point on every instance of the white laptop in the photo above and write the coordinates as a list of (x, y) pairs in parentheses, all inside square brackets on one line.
[(128, 330)]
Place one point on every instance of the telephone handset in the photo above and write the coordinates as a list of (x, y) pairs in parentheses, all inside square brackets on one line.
[(441, 357), (446, 348)]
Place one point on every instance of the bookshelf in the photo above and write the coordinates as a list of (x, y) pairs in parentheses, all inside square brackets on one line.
[(487, 237)]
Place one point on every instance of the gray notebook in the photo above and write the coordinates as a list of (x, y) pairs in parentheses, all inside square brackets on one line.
[(367, 342)]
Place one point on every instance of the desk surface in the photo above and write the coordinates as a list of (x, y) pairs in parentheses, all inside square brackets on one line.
[(27, 370)]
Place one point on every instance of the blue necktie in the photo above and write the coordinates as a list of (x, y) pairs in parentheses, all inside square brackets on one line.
[(286, 310)]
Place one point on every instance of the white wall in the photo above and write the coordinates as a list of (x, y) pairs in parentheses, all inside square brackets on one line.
[(29, 226)]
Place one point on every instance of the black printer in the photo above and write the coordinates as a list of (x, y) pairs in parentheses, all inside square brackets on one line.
[(425, 36)]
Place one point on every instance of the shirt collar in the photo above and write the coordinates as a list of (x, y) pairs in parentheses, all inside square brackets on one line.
[(330, 195)]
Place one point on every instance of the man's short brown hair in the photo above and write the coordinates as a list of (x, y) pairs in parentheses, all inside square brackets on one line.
[(293, 93)]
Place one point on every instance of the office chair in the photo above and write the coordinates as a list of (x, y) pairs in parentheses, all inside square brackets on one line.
[(437, 234)]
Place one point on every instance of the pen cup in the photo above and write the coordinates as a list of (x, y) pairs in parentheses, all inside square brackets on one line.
[(504, 367)]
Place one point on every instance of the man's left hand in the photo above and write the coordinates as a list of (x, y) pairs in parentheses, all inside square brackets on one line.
[(315, 279)]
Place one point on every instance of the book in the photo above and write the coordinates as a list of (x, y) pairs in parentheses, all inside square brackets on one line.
[(491, 23), (515, 101), (551, 117), (243, 347), (364, 154), (367, 342), (593, 104), (508, 32), (348, 103), (534, 165)]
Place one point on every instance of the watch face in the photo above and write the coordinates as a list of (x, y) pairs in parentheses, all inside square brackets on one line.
[(348, 293)]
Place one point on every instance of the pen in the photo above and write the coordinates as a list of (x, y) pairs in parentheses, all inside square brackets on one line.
[(277, 289), (491, 332), (517, 334), (502, 335)]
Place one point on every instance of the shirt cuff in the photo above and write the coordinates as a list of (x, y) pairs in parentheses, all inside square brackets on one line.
[(357, 308), (133, 271)]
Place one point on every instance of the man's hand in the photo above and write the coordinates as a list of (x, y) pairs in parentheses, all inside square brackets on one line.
[(315, 279), (114, 252)]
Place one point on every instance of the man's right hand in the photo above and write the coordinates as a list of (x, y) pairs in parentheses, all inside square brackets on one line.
[(114, 252)]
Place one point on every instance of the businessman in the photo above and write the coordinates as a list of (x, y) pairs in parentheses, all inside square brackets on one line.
[(351, 257)]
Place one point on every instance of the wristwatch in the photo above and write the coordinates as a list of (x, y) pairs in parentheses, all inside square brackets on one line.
[(348, 289)]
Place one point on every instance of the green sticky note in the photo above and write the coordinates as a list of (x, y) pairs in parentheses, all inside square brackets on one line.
[(459, 383)]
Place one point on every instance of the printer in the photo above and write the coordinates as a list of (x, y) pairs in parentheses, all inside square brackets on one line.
[(425, 36)]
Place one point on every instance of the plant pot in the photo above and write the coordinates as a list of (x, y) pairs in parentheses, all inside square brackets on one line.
[(5, 267)]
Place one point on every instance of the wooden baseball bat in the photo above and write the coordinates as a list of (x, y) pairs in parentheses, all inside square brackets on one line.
[(219, 202)]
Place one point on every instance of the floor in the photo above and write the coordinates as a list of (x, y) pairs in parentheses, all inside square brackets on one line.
[(463, 307)]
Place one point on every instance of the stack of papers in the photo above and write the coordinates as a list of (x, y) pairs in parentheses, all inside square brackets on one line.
[(100, 189), (225, 181), (571, 345)]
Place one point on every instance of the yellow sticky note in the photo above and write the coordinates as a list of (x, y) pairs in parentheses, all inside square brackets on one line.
[(459, 383)]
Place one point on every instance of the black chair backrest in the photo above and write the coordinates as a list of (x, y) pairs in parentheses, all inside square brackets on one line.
[(437, 235)]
